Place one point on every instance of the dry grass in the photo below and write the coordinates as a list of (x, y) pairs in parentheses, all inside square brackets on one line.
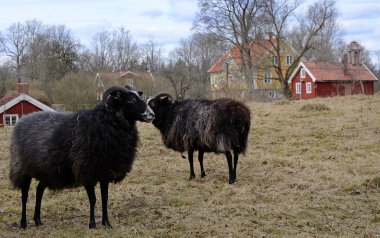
[(307, 174)]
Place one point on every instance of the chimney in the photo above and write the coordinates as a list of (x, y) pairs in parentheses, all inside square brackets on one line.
[(345, 63), (22, 87)]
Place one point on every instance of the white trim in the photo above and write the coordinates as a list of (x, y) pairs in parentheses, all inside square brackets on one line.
[(290, 57), (10, 115), (303, 73), (298, 88), (370, 72), (25, 97), (269, 79), (308, 87), (301, 64)]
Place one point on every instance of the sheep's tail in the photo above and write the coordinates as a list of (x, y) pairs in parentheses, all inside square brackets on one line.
[(243, 139), (15, 175), (245, 125)]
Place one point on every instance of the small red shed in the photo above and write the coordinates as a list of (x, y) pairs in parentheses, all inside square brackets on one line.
[(14, 106), (326, 79)]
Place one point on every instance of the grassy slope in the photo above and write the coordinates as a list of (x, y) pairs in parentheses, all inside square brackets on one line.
[(307, 174)]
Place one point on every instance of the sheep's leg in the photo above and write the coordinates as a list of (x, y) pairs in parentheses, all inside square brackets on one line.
[(200, 158), (104, 192), (92, 198), (236, 158), (24, 198), (230, 168), (190, 158), (37, 211)]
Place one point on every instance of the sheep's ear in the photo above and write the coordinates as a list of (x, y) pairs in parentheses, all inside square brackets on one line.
[(113, 99), (140, 93)]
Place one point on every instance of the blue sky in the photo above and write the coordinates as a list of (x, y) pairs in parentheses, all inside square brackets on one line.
[(165, 21)]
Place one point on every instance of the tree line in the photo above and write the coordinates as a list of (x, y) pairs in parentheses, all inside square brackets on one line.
[(48, 54)]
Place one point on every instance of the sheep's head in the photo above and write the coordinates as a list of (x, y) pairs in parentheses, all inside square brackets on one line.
[(129, 102), (159, 105)]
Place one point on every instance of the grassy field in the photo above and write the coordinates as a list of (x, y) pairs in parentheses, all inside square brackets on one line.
[(312, 170)]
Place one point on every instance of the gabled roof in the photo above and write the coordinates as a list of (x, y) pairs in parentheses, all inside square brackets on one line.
[(9, 101), (259, 48), (334, 71), (110, 78)]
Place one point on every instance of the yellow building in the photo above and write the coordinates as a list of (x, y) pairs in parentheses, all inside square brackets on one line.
[(226, 78)]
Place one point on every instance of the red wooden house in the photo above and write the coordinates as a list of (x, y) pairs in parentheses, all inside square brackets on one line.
[(16, 105), (327, 79)]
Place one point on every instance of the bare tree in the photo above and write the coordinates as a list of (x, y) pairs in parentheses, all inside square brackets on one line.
[(14, 44), (125, 49), (151, 56), (35, 50), (234, 21), (102, 49), (319, 17), (179, 81), (328, 43)]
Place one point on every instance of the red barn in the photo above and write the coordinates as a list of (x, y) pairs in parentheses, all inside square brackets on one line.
[(327, 79), (14, 106)]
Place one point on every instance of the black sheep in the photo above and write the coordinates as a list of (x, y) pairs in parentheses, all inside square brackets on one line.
[(65, 150), (219, 126)]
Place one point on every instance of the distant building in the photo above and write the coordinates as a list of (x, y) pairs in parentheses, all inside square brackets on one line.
[(16, 105), (327, 79), (143, 81), (226, 76)]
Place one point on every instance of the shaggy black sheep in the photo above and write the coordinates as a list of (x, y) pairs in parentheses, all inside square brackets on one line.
[(65, 150), (219, 126)]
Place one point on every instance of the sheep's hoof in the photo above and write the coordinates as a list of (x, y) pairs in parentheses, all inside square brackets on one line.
[(203, 175), (107, 224), (38, 222), (22, 225), (231, 181), (92, 225), (191, 177)]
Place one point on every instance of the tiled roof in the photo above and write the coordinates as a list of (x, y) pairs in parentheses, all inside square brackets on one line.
[(7, 98), (258, 49), (334, 71)]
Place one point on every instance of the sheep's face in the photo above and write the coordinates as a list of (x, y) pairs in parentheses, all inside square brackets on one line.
[(159, 105), (131, 104)]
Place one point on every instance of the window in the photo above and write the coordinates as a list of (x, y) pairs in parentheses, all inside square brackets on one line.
[(289, 60), (308, 87), (267, 78), (298, 88), (303, 74), (275, 60), (130, 82), (10, 119)]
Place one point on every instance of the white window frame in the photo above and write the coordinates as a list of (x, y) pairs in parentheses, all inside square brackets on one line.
[(130, 82), (303, 73), (267, 80), (308, 87), (10, 119), (289, 60), (298, 88)]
